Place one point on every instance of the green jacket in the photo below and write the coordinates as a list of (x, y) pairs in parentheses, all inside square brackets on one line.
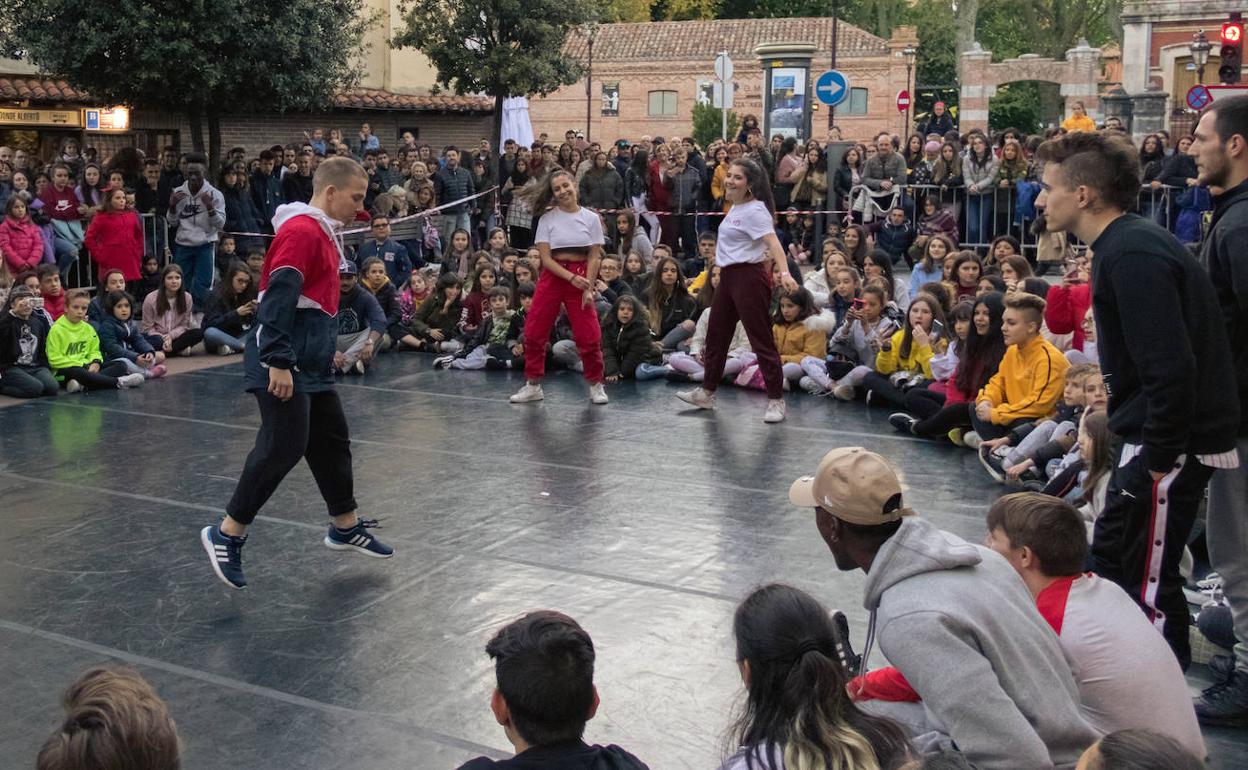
[(72, 344)]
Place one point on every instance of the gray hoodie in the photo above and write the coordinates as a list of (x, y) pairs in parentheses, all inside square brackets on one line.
[(195, 225), (961, 626)]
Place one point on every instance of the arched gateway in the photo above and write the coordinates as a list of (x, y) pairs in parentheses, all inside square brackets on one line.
[(1077, 77)]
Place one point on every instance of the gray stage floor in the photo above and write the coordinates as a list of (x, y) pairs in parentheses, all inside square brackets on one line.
[(645, 523)]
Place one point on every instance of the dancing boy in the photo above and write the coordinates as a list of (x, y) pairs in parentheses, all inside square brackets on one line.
[(288, 365)]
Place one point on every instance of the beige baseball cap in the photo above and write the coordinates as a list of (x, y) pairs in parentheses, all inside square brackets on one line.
[(853, 485)]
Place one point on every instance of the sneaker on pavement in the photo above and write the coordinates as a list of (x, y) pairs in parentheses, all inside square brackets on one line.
[(1209, 582), (131, 380), (598, 394), (991, 463), (813, 388), (225, 553), (358, 539), (225, 350), (850, 661), (698, 397), (444, 362), (73, 386), (972, 439), (844, 392), (1225, 703), (156, 372), (955, 436), (529, 393), (358, 368), (902, 422), (775, 410)]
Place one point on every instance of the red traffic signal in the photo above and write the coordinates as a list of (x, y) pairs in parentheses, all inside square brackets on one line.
[(1232, 51), (1232, 33)]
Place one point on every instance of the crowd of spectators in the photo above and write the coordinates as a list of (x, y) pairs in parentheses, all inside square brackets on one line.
[(922, 294)]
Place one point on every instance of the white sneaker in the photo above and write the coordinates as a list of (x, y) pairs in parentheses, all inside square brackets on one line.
[(130, 380), (972, 439), (810, 386), (699, 397), (598, 394), (844, 392), (529, 393), (225, 350), (359, 367), (775, 411), (73, 386)]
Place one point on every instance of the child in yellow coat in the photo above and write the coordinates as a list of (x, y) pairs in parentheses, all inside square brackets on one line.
[(800, 332)]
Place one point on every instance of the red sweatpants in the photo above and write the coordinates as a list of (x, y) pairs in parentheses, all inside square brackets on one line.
[(744, 295), (552, 292)]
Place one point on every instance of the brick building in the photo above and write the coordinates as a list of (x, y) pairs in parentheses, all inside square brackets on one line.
[(647, 76)]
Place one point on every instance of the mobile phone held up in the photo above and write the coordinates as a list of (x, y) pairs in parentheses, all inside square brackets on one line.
[(938, 329), (858, 304)]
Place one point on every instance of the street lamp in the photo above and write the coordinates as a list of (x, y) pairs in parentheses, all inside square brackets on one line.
[(911, 53), (1200, 47), (590, 30)]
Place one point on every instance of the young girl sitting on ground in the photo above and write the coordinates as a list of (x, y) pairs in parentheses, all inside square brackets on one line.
[(877, 264), (853, 347), (458, 254), (477, 303), (111, 281), (376, 281), (1094, 449), (688, 367), (905, 360), (229, 312), (966, 274), (671, 308), (800, 334), (167, 319), (121, 340), (437, 321), (846, 285), (820, 282), (627, 347), (74, 352)]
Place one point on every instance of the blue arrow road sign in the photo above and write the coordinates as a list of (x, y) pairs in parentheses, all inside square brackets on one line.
[(832, 88)]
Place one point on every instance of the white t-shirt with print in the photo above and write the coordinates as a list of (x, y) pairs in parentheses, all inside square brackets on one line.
[(741, 234)]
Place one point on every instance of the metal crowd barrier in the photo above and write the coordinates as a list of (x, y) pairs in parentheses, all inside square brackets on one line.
[(156, 240)]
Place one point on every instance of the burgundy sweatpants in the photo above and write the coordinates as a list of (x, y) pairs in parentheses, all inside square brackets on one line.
[(744, 294), (552, 291)]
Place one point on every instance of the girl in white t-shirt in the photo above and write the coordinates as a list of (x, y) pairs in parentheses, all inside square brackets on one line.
[(569, 241), (747, 251)]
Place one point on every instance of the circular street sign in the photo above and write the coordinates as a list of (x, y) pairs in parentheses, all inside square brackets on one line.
[(903, 100), (723, 67), (832, 88), (1198, 96)]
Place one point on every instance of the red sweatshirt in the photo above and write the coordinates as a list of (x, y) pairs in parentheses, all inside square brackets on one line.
[(21, 243), (60, 204), (1065, 311), (54, 304), (115, 239)]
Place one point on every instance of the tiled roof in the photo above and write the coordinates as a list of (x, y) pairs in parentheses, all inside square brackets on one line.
[(702, 39), (39, 89), (377, 99)]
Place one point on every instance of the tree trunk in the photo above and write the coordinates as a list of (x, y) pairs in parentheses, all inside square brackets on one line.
[(196, 120), (964, 36), (496, 137), (214, 140)]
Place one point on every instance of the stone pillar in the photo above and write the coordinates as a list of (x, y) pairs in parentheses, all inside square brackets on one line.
[(978, 88), (1135, 54), (1148, 113), (1116, 104), (1082, 74)]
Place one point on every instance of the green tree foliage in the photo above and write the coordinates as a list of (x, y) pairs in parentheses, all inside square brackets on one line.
[(624, 10), (210, 57), (499, 47), (707, 122)]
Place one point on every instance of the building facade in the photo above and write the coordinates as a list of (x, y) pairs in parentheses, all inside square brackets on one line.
[(646, 77)]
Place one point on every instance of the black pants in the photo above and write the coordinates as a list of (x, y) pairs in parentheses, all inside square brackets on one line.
[(949, 417), (27, 382), (987, 430), (104, 379), (923, 402), (883, 390), (308, 425), (187, 339), (1138, 539)]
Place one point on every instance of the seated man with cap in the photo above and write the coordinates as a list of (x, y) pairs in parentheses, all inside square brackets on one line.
[(954, 618), (361, 322)]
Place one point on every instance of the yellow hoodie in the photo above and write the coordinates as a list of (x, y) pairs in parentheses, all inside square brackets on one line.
[(919, 360), (1028, 383)]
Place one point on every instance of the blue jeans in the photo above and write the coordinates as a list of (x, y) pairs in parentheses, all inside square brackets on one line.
[(978, 218), (197, 269), (66, 256), (449, 223), (215, 339)]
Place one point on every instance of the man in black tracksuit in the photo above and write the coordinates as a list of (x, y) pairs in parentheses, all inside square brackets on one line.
[(1221, 151), (1166, 365)]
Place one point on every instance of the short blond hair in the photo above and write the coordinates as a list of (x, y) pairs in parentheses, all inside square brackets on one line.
[(337, 172)]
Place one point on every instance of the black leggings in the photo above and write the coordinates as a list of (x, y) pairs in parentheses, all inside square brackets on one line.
[(309, 426), (923, 402), (187, 339), (946, 419), (104, 379), (884, 390)]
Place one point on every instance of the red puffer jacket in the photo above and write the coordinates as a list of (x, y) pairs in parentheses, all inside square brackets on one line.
[(21, 243), (1065, 310), (115, 239)]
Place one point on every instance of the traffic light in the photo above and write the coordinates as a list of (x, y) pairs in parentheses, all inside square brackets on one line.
[(1232, 51)]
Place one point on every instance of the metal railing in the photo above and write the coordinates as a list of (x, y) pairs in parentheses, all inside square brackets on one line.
[(156, 241)]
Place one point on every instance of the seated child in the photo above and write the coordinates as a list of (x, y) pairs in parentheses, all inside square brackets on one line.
[(360, 323), (853, 347), (121, 340), (112, 280), (626, 343), (800, 332), (149, 282), (1031, 377), (436, 321), (74, 351), (688, 367), (496, 337), (167, 319), (477, 303), (24, 370), (375, 277), (544, 668), (230, 312), (905, 361), (699, 266)]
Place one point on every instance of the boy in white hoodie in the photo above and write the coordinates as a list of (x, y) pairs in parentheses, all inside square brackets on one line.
[(955, 620)]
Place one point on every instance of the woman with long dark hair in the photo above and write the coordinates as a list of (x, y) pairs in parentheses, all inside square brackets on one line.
[(797, 712), (978, 360), (810, 192), (848, 176), (747, 251), (569, 240), (636, 186)]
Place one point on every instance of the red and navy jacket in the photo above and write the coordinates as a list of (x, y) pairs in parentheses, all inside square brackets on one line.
[(295, 326)]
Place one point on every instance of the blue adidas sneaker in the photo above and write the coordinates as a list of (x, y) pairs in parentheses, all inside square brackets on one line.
[(358, 539), (225, 553)]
